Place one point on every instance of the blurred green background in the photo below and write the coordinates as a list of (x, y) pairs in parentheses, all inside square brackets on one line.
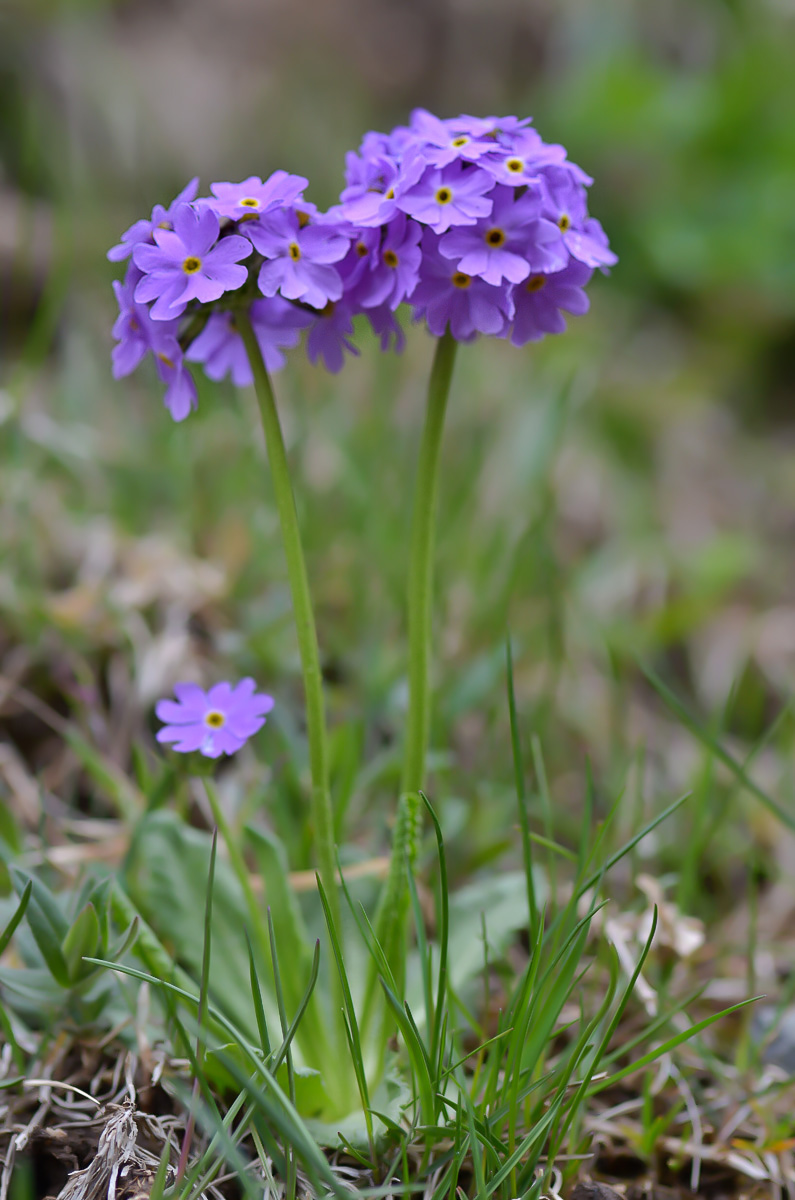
[(626, 489)]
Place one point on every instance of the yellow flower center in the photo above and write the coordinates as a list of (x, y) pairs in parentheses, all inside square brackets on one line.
[(303, 218), (564, 222), (515, 166), (460, 280), (443, 195), (390, 194), (249, 202), (165, 359), (495, 237), (295, 251), (535, 283), (361, 249), (390, 258), (214, 719), (460, 141), (191, 265)]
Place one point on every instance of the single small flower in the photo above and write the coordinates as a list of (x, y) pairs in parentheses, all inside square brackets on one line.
[(371, 198), (508, 244), (516, 160), (299, 257), (216, 722), (136, 333), (252, 197), (442, 142), (189, 263), (139, 335), (330, 336), (446, 296), (455, 195), (180, 398), (565, 203), (361, 259), (539, 299), (387, 328), (141, 231), (394, 267)]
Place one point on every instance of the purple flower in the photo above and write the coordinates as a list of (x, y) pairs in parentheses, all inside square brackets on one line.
[(517, 160), (187, 264), (216, 722), (141, 231), (387, 328), (219, 347), (446, 296), (136, 332), (453, 196), (361, 259), (330, 336), (565, 203), (180, 398), (538, 300), (394, 267), (513, 241), (491, 127), (371, 198), (252, 197), (443, 142), (299, 258), (139, 335)]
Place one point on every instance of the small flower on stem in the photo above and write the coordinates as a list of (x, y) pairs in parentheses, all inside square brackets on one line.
[(216, 722), (455, 195), (252, 197), (299, 258), (189, 263)]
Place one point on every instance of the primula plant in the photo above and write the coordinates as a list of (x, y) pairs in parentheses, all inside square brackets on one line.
[(474, 226)]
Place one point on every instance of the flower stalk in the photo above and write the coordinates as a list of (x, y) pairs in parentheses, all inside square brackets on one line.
[(392, 910), (320, 800)]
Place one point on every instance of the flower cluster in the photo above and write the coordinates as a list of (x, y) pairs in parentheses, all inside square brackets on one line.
[(476, 223)]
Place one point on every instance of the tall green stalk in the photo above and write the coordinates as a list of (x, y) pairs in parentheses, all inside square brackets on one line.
[(420, 590), (392, 908), (321, 813)]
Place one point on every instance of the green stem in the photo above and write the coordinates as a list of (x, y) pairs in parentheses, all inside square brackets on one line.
[(392, 909), (420, 590), (321, 813)]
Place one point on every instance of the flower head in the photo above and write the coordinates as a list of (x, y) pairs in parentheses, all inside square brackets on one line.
[(477, 222), (216, 722)]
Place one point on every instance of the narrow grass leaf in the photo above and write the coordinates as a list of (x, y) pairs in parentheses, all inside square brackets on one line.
[(701, 734), (519, 783), (19, 912)]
